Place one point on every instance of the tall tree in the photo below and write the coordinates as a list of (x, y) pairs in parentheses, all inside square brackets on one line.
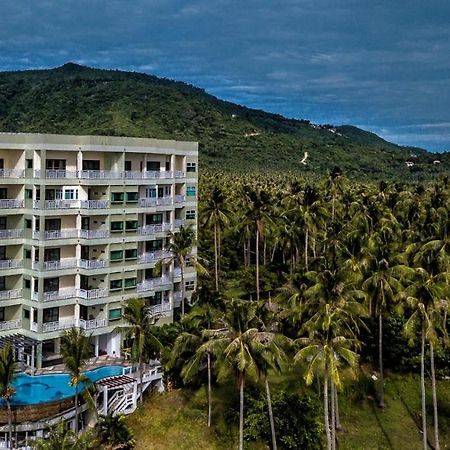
[(7, 390)]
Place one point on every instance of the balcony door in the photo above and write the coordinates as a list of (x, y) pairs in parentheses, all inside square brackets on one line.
[(55, 164), (52, 254), (153, 166), (51, 285), (52, 224), (91, 164)]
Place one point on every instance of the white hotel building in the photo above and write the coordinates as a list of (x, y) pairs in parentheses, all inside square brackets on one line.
[(83, 222)]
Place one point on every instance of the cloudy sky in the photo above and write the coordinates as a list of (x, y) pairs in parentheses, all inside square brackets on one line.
[(383, 65)]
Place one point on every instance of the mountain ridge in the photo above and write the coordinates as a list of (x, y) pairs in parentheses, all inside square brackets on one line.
[(74, 99)]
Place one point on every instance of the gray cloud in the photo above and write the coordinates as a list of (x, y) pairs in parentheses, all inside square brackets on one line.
[(382, 64)]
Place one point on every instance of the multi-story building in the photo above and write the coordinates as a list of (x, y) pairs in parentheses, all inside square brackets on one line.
[(84, 221)]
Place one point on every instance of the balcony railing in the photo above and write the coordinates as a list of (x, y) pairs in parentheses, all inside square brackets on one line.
[(92, 263), (92, 293), (155, 201), (154, 256), (177, 272), (180, 174), (152, 229), (67, 263), (161, 308), (10, 324), (127, 175), (152, 283), (56, 234), (11, 263), (11, 293), (94, 234), (177, 297), (179, 198), (8, 234), (11, 203), (94, 204), (58, 325), (61, 294), (56, 204), (179, 223), (92, 324), (12, 173)]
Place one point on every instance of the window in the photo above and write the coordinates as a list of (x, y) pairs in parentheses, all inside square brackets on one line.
[(50, 315), (3, 193), (115, 314), (131, 225), (190, 285), (127, 165), (191, 167), (150, 192), (71, 194), (26, 283), (28, 193), (117, 197), (51, 284), (131, 253), (154, 219), (52, 254), (190, 214), (130, 283), (27, 253), (190, 191), (91, 164), (26, 314), (116, 255), (2, 283), (3, 223), (116, 226), (55, 164), (115, 285), (132, 197), (29, 163), (153, 246), (28, 223), (2, 314), (153, 166), (52, 224)]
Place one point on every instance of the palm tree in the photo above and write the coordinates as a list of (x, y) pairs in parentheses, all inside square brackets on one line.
[(138, 328), (217, 214), (7, 373), (181, 243), (114, 433), (75, 351)]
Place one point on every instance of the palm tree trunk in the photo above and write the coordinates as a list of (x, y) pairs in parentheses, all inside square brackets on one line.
[(9, 444), (325, 409), (333, 416), (306, 249), (380, 358), (216, 259), (272, 423), (219, 250), (141, 387), (422, 387), (338, 418), (437, 445), (257, 263), (209, 389), (182, 286), (76, 409), (241, 411)]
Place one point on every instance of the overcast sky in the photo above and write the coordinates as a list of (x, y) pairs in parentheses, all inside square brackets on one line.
[(383, 65)]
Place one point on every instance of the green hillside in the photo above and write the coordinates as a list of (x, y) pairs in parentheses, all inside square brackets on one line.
[(78, 100)]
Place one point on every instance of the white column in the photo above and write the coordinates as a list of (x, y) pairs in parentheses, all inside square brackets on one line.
[(96, 345)]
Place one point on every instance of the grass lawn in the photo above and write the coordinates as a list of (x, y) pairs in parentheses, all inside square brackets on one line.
[(177, 420)]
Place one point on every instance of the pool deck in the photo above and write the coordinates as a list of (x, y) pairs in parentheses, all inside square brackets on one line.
[(93, 363)]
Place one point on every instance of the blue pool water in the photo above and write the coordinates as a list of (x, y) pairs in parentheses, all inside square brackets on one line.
[(32, 390)]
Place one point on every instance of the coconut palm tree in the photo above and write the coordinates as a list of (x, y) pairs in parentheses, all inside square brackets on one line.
[(75, 351), (114, 433), (7, 390), (138, 327)]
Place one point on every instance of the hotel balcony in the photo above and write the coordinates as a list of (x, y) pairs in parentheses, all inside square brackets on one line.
[(155, 201), (11, 204), (56, 204), (152, 283), (58, 325), (92, 293), (153, 256), (156, 228), (93, 234), (92, 324), (11, 263), (94, 204), (10, 325), (10, 294), (61, 294), (67, 233), (12, 173), (180, 198), (60, 264), (52, 174), (11, 234), (92, 263), (179, 223), (159, 309)]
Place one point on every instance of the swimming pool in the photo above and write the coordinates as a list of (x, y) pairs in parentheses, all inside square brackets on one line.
[(32, 390)]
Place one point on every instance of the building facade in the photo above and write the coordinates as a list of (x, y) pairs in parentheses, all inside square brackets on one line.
[(84, 221)]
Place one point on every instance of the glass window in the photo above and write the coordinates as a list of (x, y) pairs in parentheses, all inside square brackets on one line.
[(26, 314), (50, 315), (127, 165), (190, 214), (115, 314), (190, 191), (116, 255), (116, 226), (2, 314), (29, 163), (27, 253), (132, 197), (131, 253), (131, 224), (191, 167), (130, 283), (26, 283), (190, 285), (51, 284), (117, 197), (115, 284), (91, 164), (28, 223), (28, 193), (71, 194)]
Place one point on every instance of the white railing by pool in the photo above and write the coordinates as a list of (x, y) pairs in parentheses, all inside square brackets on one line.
[(92, 324), (5, 234), (152, 229), (92, 263), (94, 204), (92, 293), (12, 173), (10, 324), (10, 293), (10, 263), (154, 256), (11, 203), (58, 325)]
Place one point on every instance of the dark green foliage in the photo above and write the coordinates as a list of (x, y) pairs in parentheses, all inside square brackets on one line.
[(78, 100), (297, 420)]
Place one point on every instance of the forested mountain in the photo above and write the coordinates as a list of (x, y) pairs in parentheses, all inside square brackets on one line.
[(79, 100)]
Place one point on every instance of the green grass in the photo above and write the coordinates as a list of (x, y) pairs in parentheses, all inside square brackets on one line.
[(177, 420)]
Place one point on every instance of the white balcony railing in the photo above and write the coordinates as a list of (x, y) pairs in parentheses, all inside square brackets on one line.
[(10, 293), (12, 173), (10, 263), (57, 204), (179, 198), (8, 234), (154, 256), (128, 174), (179, 223), (92, 263), (155, 201), (177, 272), (177, 297), (99, 174), (152, 229), (61, 294), (94, 204), (67, 263), (56, 234), (180, 174), (152, 283), (161, 308), (92, 293), (10, 324), (94, 234), (92, 324), (11, 203), (58, 325)]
